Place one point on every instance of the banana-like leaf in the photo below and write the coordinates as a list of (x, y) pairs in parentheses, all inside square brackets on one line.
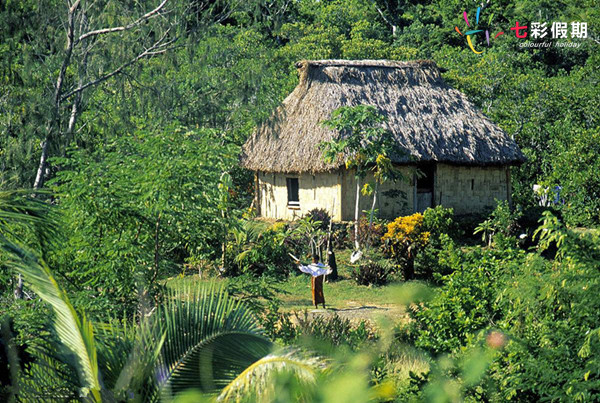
[(75, 333), (210, 339), (256, 383)]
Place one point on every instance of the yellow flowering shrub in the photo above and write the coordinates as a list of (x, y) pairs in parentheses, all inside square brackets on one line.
[(279, 226), (404, 236)]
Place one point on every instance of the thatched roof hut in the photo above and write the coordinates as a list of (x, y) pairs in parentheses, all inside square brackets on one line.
[(429, 119), (464, 158)]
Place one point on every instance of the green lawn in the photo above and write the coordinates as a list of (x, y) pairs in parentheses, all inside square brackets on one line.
[(343, 296)]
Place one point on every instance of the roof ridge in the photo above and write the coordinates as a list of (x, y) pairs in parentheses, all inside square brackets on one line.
[(368, 63)]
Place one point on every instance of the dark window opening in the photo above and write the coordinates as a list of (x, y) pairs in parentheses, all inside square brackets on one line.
[(424, 187), (472, 184), (293, 192), (425, 178)]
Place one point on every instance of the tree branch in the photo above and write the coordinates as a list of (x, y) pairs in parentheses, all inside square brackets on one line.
[(124, 27), (155, 49), (390, 23), (69, 52), (382, 14)]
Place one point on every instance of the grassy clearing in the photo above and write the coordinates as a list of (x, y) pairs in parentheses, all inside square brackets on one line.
[(344, 296)]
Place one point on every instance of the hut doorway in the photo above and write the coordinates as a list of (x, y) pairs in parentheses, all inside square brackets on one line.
[(424, 187)]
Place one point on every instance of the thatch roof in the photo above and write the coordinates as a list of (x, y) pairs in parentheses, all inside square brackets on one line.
[(429, 119)]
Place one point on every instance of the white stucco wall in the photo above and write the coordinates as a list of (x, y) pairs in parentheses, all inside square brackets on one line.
[(466, 189), (315, 191)]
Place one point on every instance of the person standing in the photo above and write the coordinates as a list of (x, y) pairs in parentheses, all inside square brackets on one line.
[(318, 271)]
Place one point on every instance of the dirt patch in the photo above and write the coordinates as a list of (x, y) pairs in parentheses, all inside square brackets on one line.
[(357, 312)]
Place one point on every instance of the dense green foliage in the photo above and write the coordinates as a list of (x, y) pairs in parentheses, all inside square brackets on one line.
[(139, 208), (545, 309), (436, 258)]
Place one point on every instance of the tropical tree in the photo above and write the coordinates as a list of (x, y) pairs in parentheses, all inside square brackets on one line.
[(310, 230), (362, 143), (137, 209), (90, 59)]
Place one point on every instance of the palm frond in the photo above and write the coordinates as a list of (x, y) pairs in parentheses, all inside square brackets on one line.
[(253, 229), (47, 379), (19, 209), (209, 339), (114, 342), (75, 333), (257, 381), (127, 356)]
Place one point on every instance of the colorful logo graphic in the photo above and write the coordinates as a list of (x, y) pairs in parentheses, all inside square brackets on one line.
[(476, 31), (539, 31)]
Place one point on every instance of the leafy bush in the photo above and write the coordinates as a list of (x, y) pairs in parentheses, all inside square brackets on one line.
[(278, 326), (432, 261), (373, 273), (341, 236), (260, 296), (438, 259), (320, 215), (335, 330), (256, 293), (466, 303), (545, 310), (530, 221), (467, 223), (575, 167), (135, 208), (405, 236), (439, 220), (260, 252), (368, 235), (552, 316), (501, 227), (305, 237)]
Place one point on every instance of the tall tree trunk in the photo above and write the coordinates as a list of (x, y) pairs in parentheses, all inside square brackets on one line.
[(156, 248), (54, 123), (373, 205), (332, 263), (43, 164), (54, 129), (19, 289), (356, 208), (409, 270), (12, 358)]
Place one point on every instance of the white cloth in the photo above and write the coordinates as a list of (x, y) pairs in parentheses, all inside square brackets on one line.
[(315, 269)]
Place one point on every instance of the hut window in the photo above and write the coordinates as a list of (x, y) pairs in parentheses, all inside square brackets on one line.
[(292, 191), (426, 178), (472, 183)]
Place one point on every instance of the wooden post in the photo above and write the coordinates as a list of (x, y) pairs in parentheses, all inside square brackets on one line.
[(415, 207), (330, 255), (508, 188), (257, 193)]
